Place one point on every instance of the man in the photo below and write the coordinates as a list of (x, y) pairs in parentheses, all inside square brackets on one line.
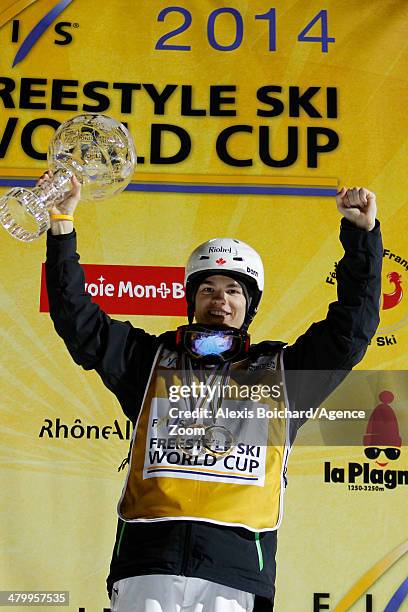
[(186, 541)]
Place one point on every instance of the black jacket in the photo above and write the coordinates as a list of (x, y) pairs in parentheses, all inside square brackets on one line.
[(122, 355)]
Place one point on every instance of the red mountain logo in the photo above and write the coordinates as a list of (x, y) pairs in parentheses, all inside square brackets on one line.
[(220, 261)]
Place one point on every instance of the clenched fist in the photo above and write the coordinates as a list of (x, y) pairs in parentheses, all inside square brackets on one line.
[(358, 205)]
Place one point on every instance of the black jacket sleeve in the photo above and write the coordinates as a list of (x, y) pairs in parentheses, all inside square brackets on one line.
[(322, 357), (121, 354), (341, 340)]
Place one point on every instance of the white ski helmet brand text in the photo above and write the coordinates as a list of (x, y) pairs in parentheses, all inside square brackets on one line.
[(213, 249)]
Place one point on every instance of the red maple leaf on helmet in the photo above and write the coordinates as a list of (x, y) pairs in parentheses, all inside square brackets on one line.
[(221, 261)]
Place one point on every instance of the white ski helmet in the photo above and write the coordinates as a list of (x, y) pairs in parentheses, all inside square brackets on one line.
[(229, 257)]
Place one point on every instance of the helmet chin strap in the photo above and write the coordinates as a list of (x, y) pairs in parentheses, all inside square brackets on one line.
[(245, 325), (190, 313)]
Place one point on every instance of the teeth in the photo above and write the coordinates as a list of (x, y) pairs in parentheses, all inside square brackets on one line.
[(218, 312)]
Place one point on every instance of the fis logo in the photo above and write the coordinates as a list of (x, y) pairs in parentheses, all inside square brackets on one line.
[(359, 589), (61, 28)]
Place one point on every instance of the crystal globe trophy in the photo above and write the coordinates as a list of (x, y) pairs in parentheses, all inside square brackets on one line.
[(97, 149)]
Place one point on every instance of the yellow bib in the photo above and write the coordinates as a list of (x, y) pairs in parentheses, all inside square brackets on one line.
[(241, 484)]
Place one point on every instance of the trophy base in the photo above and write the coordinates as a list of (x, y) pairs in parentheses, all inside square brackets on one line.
[(22, 214)]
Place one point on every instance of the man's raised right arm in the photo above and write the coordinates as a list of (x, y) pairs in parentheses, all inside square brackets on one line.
[(116, 350)]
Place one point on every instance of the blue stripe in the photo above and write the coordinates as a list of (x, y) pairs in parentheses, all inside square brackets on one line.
[(38, 30), (217, 189), (17, 183), (396, 600), (199, 473), (232, 189)]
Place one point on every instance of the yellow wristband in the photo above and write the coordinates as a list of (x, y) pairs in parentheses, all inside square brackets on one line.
[(61, 217)]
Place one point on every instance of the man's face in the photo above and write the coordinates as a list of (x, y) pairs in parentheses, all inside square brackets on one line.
[(220, 301)]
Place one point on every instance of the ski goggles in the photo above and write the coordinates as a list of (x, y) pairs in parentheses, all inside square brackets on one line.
[(372, 452), (202, 342)]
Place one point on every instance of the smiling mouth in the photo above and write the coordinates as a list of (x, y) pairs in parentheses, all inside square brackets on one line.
[(218, 313), (381, 464)]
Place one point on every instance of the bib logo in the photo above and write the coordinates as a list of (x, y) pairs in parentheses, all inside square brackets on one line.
[(394, 298), (61, 28), (382, 447)]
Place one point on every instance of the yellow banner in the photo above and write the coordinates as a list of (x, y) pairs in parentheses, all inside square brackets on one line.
[(247, 117)]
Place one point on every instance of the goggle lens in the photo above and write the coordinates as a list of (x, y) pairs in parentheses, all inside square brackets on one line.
[(223, 344), (215, 344)]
